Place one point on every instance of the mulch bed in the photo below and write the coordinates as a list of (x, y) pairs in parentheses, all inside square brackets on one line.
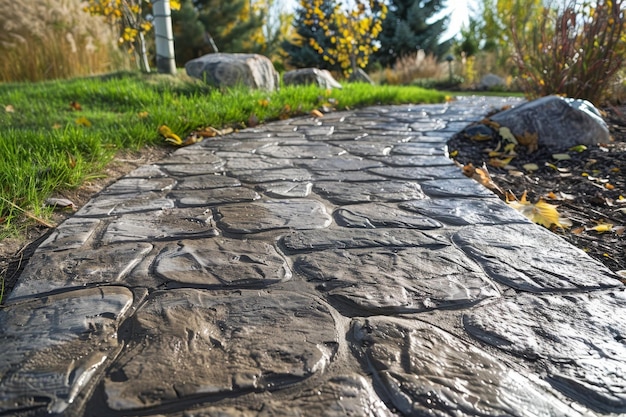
[(589, 189)]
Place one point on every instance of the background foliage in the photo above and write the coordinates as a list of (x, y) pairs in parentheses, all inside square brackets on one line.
[(54, 39)]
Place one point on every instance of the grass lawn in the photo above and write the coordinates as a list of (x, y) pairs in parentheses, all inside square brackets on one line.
[(56, 135)]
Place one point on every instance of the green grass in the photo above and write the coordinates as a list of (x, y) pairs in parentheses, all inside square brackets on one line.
[(44, 147)]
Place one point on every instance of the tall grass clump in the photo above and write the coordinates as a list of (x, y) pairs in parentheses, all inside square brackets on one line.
[(576, 49), (410, 67), (51, 39)]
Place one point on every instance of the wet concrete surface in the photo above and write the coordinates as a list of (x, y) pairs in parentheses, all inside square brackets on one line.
[(340, 266)]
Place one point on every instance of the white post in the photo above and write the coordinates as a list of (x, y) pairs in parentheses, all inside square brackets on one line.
[(164, 38)]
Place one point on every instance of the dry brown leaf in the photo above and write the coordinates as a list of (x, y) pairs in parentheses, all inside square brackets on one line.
[(499, 163), (482, 176), (317, 113), (530, 140)]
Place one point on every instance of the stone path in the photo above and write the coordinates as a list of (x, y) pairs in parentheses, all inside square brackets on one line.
[(340, 266)]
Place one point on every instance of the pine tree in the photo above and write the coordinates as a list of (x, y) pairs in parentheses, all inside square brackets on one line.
[(308, 22), (231, 26), (408, 29)]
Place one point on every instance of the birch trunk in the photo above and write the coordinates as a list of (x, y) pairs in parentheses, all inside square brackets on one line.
[(164, 39)]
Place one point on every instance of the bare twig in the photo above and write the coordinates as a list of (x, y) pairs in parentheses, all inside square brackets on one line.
[(29, 214)]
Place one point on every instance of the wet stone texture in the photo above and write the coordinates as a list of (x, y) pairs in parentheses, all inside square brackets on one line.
[(334, 266)]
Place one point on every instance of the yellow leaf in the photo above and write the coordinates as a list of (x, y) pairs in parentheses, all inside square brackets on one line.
[(170, 136), (454, 153), (561, 156), (499, 163), (509, 148), (83, 121), (609, 186), (578, 148), (9, 108), (143, 114), (530, 167), (480, 137), (601, 227), (506, 134), (541, 212), (175, 4)]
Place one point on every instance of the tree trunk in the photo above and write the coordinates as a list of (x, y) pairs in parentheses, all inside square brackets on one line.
[(141, 53), (164, 39)]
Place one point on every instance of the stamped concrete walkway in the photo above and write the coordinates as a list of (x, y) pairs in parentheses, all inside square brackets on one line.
[(339, 266)]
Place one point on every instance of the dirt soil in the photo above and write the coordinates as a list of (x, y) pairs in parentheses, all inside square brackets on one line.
[(589, 189)]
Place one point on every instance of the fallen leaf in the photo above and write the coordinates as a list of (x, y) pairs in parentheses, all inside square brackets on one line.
[(530, 167), (490, 123), (75, 105), (561, 156), (9, 108), (143, 114), (316, 113), (609, 186), (253, 120), (285, 112), (191, 139), (482, 176), (454, 153), (510, 148), (480, 137), (83, 121), (60, 203), (530, 140), (601, 227), (499, 163), (170, 136), (264, 102), (506, 134), (71, 160), (541, 212), (578, 148)]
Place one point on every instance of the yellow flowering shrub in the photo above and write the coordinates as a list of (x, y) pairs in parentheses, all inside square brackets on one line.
[(352, 32)]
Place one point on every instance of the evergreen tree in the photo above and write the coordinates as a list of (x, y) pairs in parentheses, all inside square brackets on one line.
[(408, 29), (308, 22), (231, 25)]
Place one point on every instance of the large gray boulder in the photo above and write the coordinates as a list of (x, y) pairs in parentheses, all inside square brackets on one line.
[(228, 70), (305, 76), (559, 122), (489, 81)]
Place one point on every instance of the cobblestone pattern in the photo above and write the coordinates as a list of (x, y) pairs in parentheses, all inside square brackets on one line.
[(313, 267)]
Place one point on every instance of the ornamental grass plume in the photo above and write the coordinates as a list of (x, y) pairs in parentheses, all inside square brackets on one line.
[(576, 50), (54, 39)]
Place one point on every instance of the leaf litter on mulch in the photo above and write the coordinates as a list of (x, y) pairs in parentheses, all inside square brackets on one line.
[(589, 188)]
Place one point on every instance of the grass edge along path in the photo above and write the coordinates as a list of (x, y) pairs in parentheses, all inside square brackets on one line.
[(56, 135)]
